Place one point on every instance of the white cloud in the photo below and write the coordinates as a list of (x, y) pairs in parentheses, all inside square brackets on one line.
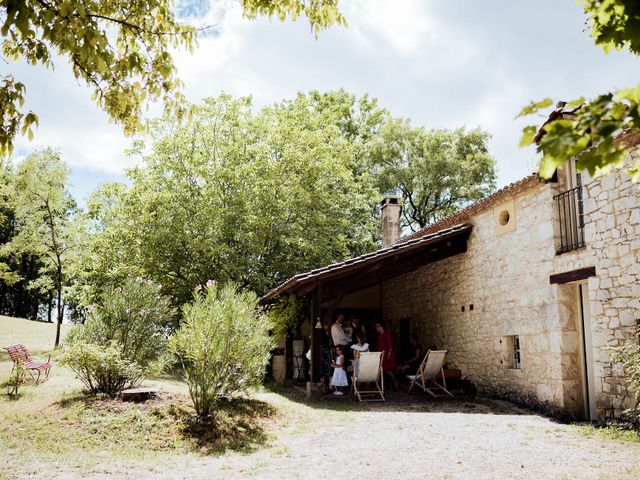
[(442, 64), (403, 24)]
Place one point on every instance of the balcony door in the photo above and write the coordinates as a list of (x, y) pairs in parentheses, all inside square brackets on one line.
[(571, 211)]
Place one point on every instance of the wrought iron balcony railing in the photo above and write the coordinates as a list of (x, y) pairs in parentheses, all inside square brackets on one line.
[(571, 219)]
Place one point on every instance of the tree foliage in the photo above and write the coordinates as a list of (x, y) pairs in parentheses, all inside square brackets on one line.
[(121, 49), (321, 14), (434, 171), (44, 210), (590, 131), (285, 314), (18, 270), (236, 195)]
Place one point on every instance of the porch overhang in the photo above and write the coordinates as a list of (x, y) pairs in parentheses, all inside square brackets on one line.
[(373, 268)]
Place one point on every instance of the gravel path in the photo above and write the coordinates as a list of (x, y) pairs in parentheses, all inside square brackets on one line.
[(336, 439)]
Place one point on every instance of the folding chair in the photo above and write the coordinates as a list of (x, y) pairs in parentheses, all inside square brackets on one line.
[(429, 368), (368, 370)]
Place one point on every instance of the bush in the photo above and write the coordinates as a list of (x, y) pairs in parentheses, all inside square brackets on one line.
[(101, 368), (136, 317), (223, 344), (16, 379), (629, 355), (123, 340)]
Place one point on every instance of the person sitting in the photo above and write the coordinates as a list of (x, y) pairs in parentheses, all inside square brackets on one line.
[(384, 344), (411, 365), (360, 346)]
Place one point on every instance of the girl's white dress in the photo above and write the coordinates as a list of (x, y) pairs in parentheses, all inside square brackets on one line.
[(339, 378)]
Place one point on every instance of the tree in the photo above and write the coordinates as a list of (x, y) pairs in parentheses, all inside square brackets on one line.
[(436, 172), (44, 210), (120, 48), (17, 272), (591, 131), (236, 195)]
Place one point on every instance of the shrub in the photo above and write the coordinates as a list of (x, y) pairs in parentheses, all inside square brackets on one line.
[(125, 337), (223, 344), (629, 355), (16, 379), (136, 317), (101, 368)]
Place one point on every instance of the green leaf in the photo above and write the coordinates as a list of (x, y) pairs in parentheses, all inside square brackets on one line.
[(527, 135), (548, 167), (534, 107), (575, 103)]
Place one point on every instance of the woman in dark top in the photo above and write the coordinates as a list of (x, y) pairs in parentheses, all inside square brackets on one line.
[(384, 344)]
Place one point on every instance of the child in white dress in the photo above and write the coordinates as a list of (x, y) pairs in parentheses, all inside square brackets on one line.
[(339, 378)]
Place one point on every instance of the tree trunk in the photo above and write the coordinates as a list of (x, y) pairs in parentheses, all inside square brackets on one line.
[(59, 317), (49, 307)]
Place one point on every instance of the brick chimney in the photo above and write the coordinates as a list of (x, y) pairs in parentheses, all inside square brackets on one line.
[(390, 209)]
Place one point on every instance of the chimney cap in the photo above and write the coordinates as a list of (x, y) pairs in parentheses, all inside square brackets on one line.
[(390, 200)]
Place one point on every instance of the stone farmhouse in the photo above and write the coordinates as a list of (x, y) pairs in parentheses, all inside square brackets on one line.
[(525, 289)]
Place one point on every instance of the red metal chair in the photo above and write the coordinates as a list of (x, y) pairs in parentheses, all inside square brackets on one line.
[(19, 354)]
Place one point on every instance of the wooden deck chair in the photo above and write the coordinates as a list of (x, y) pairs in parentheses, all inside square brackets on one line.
[(427, 373), (368, 370)]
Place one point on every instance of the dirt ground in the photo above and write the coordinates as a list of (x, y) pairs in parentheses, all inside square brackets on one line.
[(407, 437)]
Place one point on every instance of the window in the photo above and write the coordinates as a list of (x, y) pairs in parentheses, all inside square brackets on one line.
[(505, 217), (516, 351), (513, 345)]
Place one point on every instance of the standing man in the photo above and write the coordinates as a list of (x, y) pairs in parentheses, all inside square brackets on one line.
[(356, 327), (340, 338)]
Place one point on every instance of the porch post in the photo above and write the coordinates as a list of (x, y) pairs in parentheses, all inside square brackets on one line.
[(315, 333)]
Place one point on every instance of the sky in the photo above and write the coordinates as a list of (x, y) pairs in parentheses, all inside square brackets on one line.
[(442, 64)]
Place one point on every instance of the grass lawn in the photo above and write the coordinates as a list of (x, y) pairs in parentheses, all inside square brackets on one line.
[(56, 420), (36, 336), (53, 430)]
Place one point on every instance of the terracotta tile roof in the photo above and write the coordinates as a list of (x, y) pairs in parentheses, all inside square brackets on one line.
[(465, 213), (336, 269)]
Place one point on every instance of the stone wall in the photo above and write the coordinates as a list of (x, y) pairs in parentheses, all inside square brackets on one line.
[(612, 234), (502, 282), (471, 304)]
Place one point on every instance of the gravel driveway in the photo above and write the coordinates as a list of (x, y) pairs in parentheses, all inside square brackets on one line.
[(438, 440), (413, 438)]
